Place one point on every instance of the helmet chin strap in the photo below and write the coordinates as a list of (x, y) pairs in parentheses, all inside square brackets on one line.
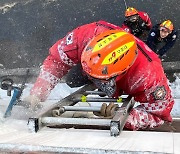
[(109, 87)]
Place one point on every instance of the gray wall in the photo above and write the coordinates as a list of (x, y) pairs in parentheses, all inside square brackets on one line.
[(28, 28)]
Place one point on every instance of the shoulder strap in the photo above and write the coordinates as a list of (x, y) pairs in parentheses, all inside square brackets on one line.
[(144, 53)]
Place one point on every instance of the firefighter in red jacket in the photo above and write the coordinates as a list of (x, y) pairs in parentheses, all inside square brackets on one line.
[(116, 62), (137, 22)]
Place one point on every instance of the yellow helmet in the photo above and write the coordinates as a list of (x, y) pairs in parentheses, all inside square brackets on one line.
[(109, 54), (167, 24), (130, 12)]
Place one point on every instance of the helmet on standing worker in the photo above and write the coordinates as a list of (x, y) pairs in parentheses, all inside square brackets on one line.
[(168, 25), (130, 12)]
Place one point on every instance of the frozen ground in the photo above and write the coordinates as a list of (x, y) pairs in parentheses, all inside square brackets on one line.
[(14, 132), (62, 90)]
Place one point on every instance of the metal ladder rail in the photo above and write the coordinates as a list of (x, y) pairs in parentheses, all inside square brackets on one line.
[(35, 123), (116, 124)]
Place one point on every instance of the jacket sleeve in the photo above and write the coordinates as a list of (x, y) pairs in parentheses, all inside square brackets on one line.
[(171, 41), (150, 115), (140, 119), (145, 17), (155, 111), (62, 57), (154, 95), (51, 72)]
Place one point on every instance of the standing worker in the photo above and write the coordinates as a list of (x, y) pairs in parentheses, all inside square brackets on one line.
[(137, 22), (162, 37)]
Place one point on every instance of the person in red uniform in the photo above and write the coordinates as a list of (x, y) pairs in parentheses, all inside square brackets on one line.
[(116, 62), (137, 22)]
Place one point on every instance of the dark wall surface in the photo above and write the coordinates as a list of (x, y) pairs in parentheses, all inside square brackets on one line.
[(28, 28)]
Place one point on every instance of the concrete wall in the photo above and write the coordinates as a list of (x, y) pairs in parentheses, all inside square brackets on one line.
[(28, 28)]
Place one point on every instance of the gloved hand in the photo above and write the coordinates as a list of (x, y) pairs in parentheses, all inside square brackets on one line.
[(32, 102), (107, 111)]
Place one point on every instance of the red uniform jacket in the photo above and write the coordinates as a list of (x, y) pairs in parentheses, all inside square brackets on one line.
[(145, 80)]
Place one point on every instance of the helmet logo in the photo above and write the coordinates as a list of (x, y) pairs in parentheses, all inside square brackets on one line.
[(110, 58), (107, 40)]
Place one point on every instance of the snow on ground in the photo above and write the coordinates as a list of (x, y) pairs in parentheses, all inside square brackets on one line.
[(62, 90), (14, 130), (175, 87), (59, 92)]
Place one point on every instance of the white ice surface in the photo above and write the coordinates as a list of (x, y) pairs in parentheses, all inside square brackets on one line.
[(14, 131)]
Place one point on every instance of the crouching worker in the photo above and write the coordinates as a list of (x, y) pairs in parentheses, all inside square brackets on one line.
[(116, 62)]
